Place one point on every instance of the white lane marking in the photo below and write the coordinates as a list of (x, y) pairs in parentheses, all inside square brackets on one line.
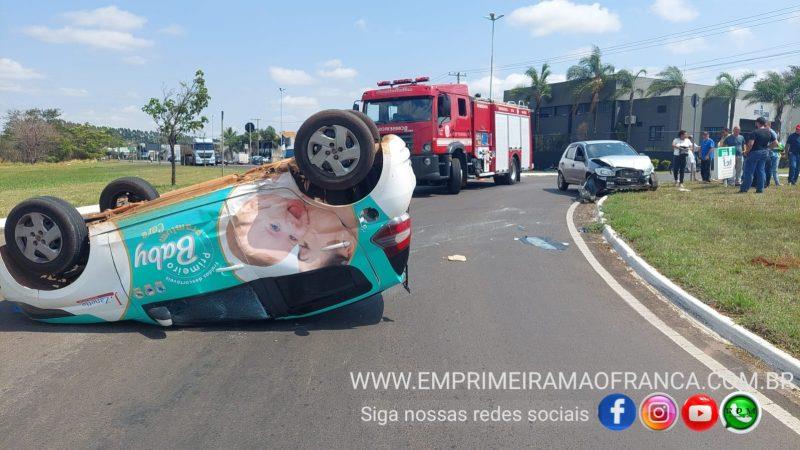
[(768, 405), (538, 174)]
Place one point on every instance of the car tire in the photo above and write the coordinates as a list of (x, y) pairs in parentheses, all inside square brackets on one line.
[(369, 122), (320, 141), (123, 191), (43, 223), (456, 180), (653, 181), (561, 182)]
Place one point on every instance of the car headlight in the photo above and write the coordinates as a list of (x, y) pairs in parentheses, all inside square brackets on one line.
[(426, 147), (604, 171)]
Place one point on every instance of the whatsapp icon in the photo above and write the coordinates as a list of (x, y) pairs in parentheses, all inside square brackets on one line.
[(740, 412)]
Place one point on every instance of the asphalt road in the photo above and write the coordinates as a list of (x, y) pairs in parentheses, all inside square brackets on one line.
[(509, 307)]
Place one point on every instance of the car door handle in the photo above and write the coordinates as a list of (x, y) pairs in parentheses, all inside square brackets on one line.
[(343, 244), (230, 268)]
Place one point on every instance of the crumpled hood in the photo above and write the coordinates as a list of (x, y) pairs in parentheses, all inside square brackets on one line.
[(638, 162)]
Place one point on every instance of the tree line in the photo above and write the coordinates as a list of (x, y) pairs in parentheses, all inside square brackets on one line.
[(41, 135)]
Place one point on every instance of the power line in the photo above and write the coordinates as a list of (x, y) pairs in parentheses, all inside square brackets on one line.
[(765, 18), (458, 76)]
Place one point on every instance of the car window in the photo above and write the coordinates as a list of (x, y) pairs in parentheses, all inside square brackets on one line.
[(599, 150), (570, 154), (579, 155)]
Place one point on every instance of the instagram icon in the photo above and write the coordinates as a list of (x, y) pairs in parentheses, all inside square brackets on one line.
[(658, 412)]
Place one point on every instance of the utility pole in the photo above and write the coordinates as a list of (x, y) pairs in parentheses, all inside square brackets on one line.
[(258, 138), (280, 132), (494, 18), (458, 76)]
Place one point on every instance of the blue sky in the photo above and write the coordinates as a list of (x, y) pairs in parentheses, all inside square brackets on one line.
[(99, 61)]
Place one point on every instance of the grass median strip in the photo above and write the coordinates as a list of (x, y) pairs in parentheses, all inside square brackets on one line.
[(80, 182), (738, 253)]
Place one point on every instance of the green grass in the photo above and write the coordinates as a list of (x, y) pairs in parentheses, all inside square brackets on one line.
[(707, 240), (80, 182)]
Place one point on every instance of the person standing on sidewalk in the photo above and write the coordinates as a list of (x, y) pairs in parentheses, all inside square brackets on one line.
[(706, 150), (793, 150), (759, 144), (736, 140), (773, 158), (681, 146)]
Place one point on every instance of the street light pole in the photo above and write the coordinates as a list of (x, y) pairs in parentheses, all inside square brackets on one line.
[(493, 18), (281, 130)]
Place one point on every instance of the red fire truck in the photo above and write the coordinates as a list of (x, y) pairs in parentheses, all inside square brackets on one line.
[(453, 136)]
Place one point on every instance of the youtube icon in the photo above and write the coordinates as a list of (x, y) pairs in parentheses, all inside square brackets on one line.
[(700, 412)]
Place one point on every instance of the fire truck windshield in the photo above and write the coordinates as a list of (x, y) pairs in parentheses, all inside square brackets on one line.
[(399, 110)]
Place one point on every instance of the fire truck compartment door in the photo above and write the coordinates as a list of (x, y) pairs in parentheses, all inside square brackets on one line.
[(525, 131), (501, 142)]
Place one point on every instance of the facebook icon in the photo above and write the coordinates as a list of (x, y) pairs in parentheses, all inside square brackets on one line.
[(616, 412)]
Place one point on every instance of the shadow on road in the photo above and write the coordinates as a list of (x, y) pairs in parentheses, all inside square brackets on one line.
[(568, 193), (362, 313), (436, 191)]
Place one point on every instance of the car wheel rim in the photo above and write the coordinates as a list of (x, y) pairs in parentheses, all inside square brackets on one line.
[(334, 150), (38, 237)]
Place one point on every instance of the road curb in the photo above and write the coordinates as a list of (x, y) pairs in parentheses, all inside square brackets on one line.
[(82, 209), (716, 321)]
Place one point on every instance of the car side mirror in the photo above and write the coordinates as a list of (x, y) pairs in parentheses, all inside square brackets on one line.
[(355, 106)]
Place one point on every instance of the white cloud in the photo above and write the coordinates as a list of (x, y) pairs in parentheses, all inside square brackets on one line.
[(300, 101), (282, 75), (109, 17), (360, 24), (481, 85), (12, 70), (106, 39), (134, 60), (73, 92), (334, 69), (741, 36), (674, 10), (564, 16), (687, 46), (173, 30)]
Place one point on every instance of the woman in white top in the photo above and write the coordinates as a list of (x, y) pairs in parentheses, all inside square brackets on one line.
[(681, 146)]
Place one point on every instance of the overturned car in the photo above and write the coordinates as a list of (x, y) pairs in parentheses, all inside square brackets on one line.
[(599, 167), (283, 240)]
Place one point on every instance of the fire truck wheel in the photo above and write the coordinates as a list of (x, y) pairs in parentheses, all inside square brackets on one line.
[(335, 149), (370, 124), (454, 183), (123, 191), (45, 236), (511, 177), (562, 183)]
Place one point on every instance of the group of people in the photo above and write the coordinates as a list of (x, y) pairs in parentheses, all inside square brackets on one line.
[(757, 156)]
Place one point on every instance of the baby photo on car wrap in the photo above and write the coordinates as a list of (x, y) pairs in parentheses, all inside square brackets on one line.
[(271, 229)]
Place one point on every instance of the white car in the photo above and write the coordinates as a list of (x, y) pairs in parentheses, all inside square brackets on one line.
[(605, 166)]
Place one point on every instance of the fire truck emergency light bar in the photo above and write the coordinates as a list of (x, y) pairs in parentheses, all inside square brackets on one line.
[(404, 81)]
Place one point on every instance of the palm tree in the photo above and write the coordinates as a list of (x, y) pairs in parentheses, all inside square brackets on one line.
[(781, 90), (626, 85), (670, 79), (591, 75), (232, 139), (727, 87), (540, 91)]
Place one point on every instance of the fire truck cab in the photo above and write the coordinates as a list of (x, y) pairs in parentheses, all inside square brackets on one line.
[(453, 136)]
